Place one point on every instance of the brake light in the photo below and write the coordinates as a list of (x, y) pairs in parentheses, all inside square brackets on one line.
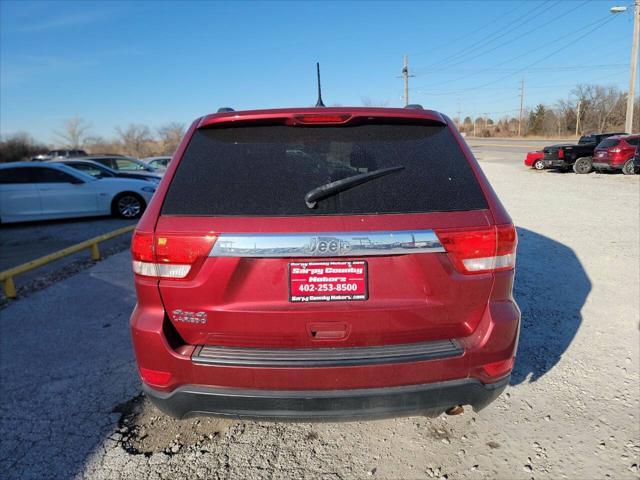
[(170, 255), (615, 150), (560, 153), (319, 118), (489, 249)]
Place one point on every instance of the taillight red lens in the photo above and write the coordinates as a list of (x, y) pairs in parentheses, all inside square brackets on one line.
[(560, 153), (321, 118), (157, 378), (182, 248), (499, 369), (168, 256), (142, 247), (481, 250)]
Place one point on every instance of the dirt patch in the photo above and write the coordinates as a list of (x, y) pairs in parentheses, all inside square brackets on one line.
[(145, 430)]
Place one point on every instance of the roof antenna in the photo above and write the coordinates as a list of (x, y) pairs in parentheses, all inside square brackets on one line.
[(319, 102)]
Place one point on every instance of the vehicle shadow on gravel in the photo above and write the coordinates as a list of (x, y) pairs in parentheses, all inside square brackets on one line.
[(551, 287)]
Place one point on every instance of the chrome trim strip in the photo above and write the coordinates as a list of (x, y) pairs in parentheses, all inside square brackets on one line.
[(327, 244), (326, 357)]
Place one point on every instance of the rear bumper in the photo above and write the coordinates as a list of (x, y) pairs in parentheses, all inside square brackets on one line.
[(606, 166), (557, 163), (431, 399)]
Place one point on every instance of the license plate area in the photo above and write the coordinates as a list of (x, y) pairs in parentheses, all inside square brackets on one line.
[(332, 281)]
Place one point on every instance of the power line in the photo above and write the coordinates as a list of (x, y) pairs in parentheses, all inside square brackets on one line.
[(550, 68), (470, 34), (530, 31), (517, 23), (521, 70), (528, 52)]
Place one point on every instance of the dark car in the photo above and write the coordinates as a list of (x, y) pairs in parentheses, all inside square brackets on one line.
[(616, 154), (324, 263), (577, 156), (99, 170)]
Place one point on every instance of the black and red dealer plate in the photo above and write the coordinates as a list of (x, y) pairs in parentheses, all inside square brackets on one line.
[(328, 281)]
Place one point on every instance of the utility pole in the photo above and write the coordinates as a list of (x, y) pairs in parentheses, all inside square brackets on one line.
[(628, 124), (405, 76), (578, 117), (521, 106), (459, 117)]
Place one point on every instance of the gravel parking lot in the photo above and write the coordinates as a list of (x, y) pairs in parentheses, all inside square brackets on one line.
[(71, 404)]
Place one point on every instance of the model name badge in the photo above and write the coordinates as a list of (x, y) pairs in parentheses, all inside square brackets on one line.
[(189, 317), (328, 246)]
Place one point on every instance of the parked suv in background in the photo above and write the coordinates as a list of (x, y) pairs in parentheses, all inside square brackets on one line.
[(576, 156), (324, 263), (616, 153)]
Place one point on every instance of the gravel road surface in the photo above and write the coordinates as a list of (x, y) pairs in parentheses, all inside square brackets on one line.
[(71, 404)]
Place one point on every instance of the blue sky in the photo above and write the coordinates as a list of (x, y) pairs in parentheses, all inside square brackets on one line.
[(115, 63)]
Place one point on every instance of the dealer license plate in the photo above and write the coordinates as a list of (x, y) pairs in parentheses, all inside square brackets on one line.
[(328, 281)]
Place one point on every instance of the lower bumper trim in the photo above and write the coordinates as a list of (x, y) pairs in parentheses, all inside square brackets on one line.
[(429, 399), (605, 166)]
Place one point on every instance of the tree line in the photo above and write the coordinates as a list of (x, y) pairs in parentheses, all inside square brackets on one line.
[(135, 140), (588, 108)]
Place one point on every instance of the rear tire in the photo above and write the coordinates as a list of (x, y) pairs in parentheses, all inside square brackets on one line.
[(538, 165), (629, 168), (583, 165), (128, 205)]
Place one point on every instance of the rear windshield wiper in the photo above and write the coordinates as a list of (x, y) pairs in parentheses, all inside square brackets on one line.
[(329, 189)]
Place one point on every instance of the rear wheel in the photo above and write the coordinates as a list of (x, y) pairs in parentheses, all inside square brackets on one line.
[(128, 205), (629, 168), (583, 165), (538, 165)]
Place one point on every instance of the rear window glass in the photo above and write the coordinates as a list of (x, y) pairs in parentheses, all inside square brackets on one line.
[(608, 143), (267, 170), (587, 139)]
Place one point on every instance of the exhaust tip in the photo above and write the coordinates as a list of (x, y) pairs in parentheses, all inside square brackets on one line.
[(457, 410)]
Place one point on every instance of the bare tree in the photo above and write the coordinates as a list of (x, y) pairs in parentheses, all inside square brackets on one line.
[(74, 133), (368, 102), (136, 140), (602, 108), (169, 137)]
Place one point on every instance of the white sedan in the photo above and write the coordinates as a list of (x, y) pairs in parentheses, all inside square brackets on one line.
[(45, 191)]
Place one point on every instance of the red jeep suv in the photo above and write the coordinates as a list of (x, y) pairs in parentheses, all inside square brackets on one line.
[(326, 263)]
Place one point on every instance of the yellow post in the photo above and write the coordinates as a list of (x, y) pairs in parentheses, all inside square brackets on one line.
[(95, 252), (10, 288)]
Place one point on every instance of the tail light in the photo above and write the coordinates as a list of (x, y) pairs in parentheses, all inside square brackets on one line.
[(157, 378), (499, 369), (615, 150), (490, 249), (170, 255), (560, 153)]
